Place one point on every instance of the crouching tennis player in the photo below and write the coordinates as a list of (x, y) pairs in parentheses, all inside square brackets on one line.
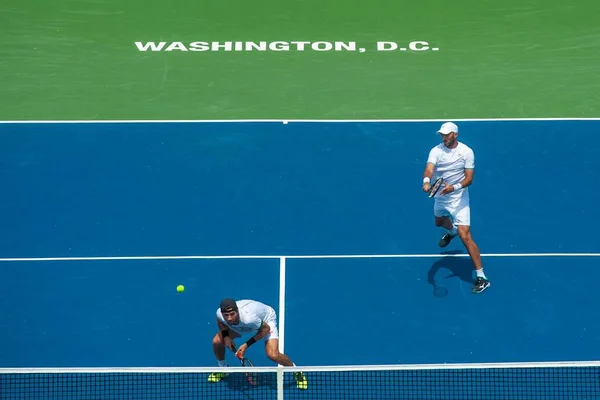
[(236, 318)]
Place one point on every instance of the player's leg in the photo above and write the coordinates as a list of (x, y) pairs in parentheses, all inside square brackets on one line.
[(218, 344), (272, 344), (272, 350), (444, 222), (462, 219), (443, 219)]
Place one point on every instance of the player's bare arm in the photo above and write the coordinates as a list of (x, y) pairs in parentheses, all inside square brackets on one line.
[(469, 173), (427, 174), (227, 340), (262, 332), (465, 182)]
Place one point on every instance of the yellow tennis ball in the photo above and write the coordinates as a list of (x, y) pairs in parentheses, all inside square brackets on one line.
[(180, 288)]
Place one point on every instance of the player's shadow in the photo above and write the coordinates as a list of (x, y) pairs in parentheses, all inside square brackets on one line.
[(449, 268)]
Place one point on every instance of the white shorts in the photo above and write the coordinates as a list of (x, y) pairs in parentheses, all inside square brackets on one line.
[(458, 209), (273, 333)]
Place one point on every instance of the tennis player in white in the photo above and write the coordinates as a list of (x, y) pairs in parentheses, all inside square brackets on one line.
[(236, 318), (455, 163)]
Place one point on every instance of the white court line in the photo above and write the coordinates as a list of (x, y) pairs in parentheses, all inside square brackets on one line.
[(167, 121), (280, 385), (198, 257), (282, 305)]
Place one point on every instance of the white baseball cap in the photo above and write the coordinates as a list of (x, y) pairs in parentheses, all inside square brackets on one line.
[(447, 128)]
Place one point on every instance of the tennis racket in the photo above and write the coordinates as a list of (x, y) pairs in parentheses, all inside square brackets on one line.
[(252, 377), (436, 186)]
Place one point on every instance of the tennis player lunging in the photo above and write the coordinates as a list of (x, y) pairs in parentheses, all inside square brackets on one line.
[(235, 318), (455, 163)]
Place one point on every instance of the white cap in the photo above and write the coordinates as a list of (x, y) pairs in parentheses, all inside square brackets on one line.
[(447, 128)]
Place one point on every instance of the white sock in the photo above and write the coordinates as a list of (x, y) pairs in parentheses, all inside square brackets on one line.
[(480, 273), (453, 231), (223, 363)]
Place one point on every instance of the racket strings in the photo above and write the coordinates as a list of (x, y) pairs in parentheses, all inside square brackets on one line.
[(435, 187)]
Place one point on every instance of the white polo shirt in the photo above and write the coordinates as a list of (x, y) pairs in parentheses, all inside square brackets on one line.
[(450, 164), (252, 314)]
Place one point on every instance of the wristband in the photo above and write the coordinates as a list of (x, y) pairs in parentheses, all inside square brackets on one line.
[(224, 333), (457, 187), (426, 180), (250, 342)]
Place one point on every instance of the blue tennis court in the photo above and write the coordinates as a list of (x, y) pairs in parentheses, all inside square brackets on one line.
[(157, 191)]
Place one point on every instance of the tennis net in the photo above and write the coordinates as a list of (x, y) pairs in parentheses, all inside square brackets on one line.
[(530, 381)]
